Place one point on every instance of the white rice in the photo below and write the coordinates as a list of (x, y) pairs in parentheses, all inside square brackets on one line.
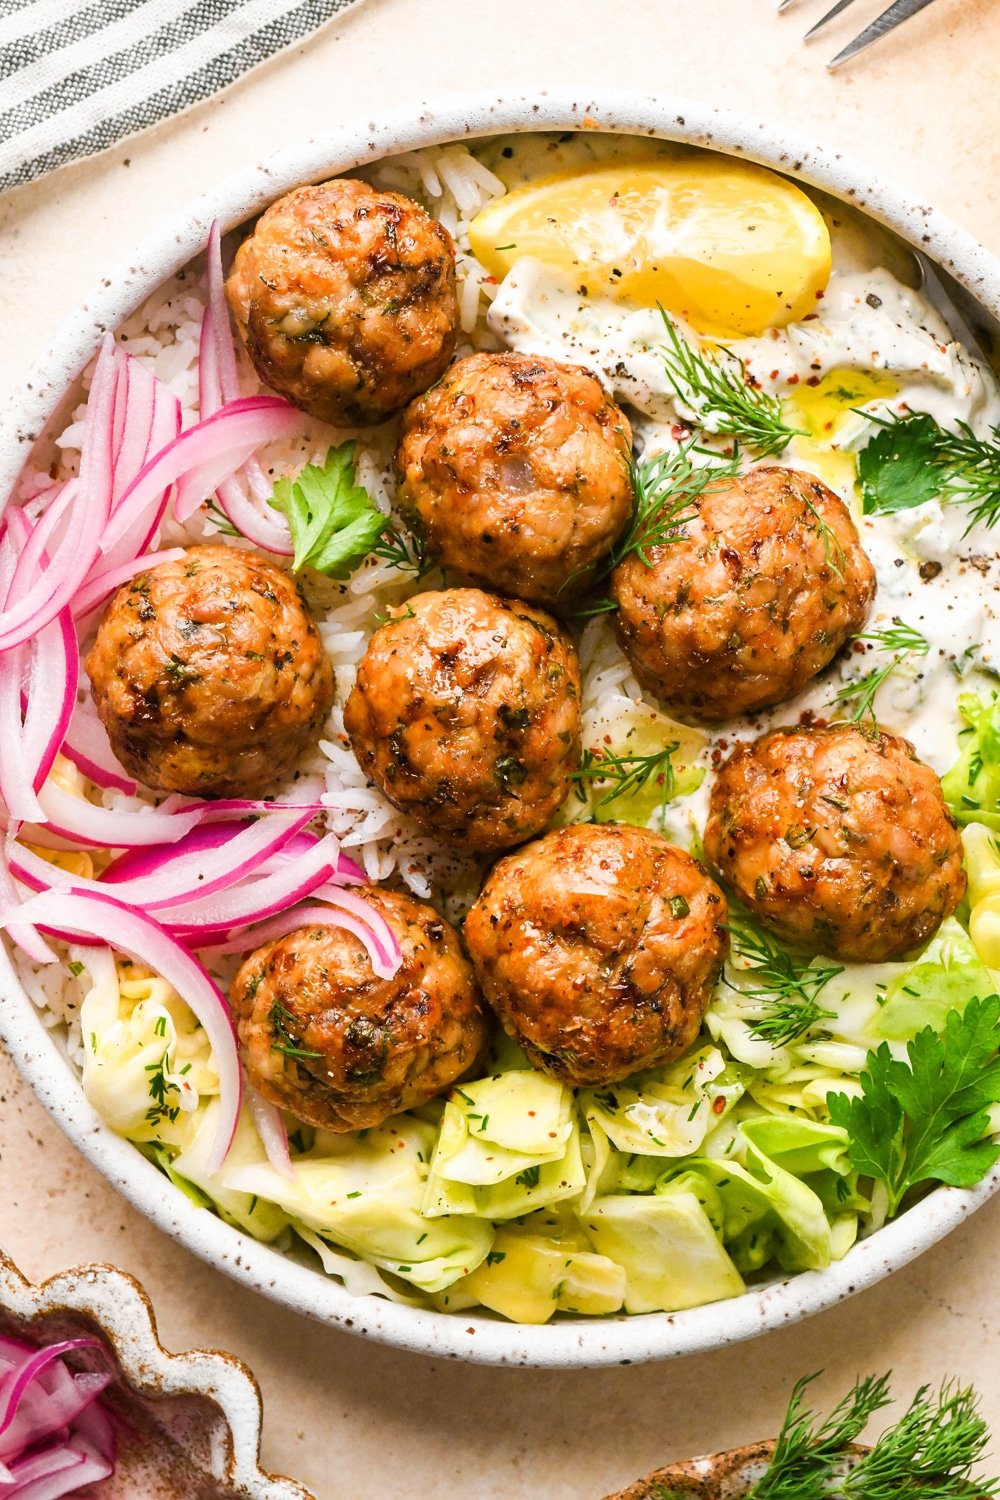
[(164, 335)]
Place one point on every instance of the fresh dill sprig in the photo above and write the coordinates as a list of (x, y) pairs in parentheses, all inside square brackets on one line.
[(665, 494), (833, 551), (808, 1450), (667, 489), (721, 388), (161, 1088), (786, 984), (408, 557), (220, 520), (858, 697), (285, 1041), (913, 459), (929, 1454), (627, 775)]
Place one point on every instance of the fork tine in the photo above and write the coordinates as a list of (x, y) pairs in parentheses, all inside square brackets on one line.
[(900, 10), (823, 20), (785, 4)]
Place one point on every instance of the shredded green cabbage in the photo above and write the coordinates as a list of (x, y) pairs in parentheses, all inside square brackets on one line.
[(523, 1196)]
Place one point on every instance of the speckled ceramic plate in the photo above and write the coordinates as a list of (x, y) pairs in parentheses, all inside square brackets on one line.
[(972, 277), (188, 1424)]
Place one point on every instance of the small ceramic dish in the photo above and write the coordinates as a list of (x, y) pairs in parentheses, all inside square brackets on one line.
[(720, 1476), (188, 1424)]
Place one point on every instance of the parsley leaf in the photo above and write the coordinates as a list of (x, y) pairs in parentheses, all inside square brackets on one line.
[(927, 1119), (897, 468), (333, 522), (913, 459)]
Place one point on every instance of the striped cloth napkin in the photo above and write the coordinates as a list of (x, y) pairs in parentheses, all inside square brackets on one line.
[(77, 76)]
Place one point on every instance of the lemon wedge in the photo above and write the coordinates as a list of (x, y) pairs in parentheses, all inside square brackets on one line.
[(729, 246)]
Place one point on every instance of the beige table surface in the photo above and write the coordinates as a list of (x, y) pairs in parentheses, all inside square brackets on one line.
[(357, 1420)]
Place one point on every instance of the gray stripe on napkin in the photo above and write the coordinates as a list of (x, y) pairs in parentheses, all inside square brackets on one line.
[(86, 85)]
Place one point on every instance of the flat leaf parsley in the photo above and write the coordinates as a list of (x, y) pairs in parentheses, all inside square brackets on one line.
[(912, 460), (333, 522), (927, 1119)]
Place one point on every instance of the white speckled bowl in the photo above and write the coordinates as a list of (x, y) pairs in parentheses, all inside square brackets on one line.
[(975, 278), (189, 1424)]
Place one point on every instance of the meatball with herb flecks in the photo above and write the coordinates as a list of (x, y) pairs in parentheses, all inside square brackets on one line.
[(598, 947), (324, 1037), (757, 594), (837, 840), (345, 296), (514, 472), (466, 715), (209, 675)]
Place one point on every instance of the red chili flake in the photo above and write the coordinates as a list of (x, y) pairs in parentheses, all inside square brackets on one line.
[(793, 380), (718, 1105), (552, 1134), (820, 296), (813, 380), (531, 1112), (774, 374), (678, 431)]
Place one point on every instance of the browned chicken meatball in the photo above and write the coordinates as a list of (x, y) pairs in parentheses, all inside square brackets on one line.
[(839, 841), (466, 714), (514, 471), (598, 947), (345, 296), (209, 674), (325, 1038), (759, 594)]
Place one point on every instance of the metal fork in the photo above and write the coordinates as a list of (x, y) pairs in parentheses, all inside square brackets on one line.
[(898, 11)]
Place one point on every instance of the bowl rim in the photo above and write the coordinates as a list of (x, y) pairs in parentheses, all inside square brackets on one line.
[(576, 1342)]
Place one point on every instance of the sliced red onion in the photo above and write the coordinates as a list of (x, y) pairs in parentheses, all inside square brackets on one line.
[(54, 1436), (241, 807), (270, 1124), (383, 934), (88, 747), (152, 419), (63, 1468), (194, 869), (23, 934), (218, 383), (17, 778), (201, 924), (34, 540), (12, 1391), (384, 960), (131, 932), (204, 455), (217, 320), (210, 859), (82, 822), (53, 679), (346, 870), (100, 585), (53, 587)]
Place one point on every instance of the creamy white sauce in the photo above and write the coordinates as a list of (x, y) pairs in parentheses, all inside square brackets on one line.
[(868, 321)]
